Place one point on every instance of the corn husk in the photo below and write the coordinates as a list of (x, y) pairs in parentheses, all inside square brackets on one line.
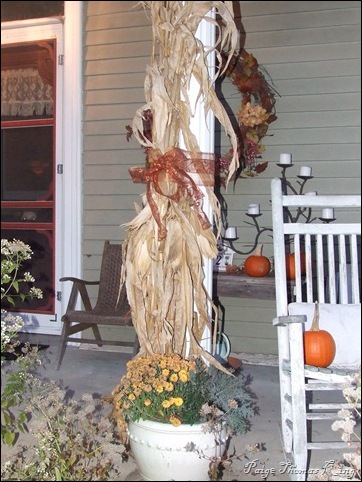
[(164, 275), (177, 57)]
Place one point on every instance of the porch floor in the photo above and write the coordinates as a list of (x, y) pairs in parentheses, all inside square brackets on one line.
[(97, 371)]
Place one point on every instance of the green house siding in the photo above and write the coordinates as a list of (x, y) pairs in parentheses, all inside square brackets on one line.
[(311, 51)]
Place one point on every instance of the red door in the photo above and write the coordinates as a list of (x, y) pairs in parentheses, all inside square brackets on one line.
[(28, 168)]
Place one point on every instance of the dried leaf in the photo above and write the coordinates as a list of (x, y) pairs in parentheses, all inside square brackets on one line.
[(129, 133), (261, 167)]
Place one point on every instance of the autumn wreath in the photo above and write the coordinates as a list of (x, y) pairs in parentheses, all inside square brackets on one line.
[(256, 113)]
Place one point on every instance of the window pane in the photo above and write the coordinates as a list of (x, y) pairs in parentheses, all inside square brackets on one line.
[(23, 10), (27, 80), (26, 215), (26, 163)]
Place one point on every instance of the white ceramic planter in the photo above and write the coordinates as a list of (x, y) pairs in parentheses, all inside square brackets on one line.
[(163, 452)]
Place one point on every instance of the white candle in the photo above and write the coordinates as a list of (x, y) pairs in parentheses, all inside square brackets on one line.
[(285, 159), (254, 209), (311, 193), (328, 213), (305, 171), (230, 233)]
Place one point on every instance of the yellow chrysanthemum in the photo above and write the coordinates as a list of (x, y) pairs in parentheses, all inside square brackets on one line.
[(175, 365), (176, 422), (174, 378), (183, 376), (192, 365), (163, 363)]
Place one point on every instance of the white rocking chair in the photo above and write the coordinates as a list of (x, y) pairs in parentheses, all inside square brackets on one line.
[(333, 278)]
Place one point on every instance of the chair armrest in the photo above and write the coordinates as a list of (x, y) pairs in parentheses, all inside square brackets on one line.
[(285, 320), (78, 280), (79, 288)]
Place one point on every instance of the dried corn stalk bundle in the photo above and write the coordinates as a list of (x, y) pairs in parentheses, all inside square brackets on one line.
[(170, 237)]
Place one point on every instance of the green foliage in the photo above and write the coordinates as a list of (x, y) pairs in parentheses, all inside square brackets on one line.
[(234, 398), (13, 419)]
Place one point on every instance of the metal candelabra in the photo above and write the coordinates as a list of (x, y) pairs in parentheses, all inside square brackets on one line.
[(259, 231), (304, 214)]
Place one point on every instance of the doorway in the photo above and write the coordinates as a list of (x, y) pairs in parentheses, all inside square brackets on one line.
[(31, 162)]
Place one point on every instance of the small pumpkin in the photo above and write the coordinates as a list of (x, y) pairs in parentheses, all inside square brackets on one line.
[(257, 265), (319, 345), (290, 265)]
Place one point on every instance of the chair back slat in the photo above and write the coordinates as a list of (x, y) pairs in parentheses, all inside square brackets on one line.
[(308, 272), (342, 272), (320, 267), (297, 251), (331, 270), (335, 229), (355, 287)]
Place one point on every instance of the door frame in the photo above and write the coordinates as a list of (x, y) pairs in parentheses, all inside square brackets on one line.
[(72, 147), (68, 32)]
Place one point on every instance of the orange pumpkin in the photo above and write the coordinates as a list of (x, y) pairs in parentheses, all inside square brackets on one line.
[(290, 265), (319, 345), (257, 265)]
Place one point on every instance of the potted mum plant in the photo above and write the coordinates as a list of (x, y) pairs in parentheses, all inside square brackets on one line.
[(174, 381), (177, 415)]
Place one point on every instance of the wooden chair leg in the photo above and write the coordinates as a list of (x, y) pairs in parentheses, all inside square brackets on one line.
[(300, 463), (298, 398), (286, 412), (97, 335), (63, 342)]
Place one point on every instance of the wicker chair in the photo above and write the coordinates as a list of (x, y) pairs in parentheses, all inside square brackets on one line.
[(111, 308)]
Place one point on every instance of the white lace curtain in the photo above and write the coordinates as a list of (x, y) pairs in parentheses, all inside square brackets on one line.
[(23, 93)]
